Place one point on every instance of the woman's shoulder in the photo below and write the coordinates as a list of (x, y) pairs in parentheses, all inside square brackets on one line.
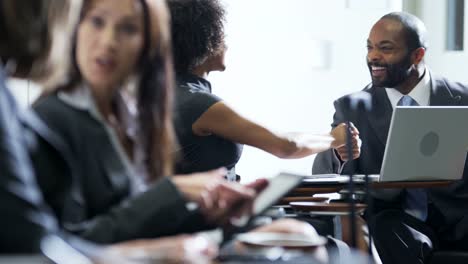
[(45, 101), (194, 87), (58, 114), (192, 105), (194, 96), (51, 106)]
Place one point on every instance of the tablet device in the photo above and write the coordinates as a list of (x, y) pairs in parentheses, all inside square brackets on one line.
[(277, 188)]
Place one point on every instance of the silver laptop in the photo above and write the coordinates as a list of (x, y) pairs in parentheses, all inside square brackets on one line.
[(426, 143)]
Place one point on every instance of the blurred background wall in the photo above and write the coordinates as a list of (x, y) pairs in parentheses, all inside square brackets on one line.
[(288, 60)]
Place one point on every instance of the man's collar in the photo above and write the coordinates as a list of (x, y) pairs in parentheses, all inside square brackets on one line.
[(420, 93)]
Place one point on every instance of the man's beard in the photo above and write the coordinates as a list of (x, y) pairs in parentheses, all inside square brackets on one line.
[(396, 73)]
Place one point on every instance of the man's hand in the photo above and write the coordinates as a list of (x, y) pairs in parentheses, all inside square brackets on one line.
[(339, 134), (340, 143), (356, 150)]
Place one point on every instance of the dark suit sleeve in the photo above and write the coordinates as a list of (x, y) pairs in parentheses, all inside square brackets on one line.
[(160, 211), (24, 218), (327, 161), (27, 224)]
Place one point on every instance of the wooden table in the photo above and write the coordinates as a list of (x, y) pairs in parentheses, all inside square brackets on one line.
[(311, 188)]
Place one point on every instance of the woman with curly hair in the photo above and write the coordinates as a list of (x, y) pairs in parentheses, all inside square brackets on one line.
[(211, 133)]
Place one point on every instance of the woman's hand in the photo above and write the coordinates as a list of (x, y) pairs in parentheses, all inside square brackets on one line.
[(219, 200), (292, 226), (177, 249), (289, 226)]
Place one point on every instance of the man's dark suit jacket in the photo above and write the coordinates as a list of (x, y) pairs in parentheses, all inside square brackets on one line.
[(452, 201), (99, 207), (27, 221)]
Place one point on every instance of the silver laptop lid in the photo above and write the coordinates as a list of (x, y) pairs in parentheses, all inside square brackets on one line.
[(426, 143)]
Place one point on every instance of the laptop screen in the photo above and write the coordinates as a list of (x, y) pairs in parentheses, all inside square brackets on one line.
[(426, 143)]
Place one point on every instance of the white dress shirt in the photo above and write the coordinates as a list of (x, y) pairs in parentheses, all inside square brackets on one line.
[(420, 93)]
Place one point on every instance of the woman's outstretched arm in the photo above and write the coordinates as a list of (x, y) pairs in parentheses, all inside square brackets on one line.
[(223, 121)]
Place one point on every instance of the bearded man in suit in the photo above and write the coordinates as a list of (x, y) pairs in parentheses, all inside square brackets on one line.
[(407, 224)]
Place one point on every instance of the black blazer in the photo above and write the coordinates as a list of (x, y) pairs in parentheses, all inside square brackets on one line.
[(452, 201), (99, 206)]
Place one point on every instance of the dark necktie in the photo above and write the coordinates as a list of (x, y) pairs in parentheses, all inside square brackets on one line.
[(416, 199)]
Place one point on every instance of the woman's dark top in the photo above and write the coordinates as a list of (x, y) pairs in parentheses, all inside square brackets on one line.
[(199, 153)]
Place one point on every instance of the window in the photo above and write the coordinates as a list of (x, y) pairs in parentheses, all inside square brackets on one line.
[(455, 24)]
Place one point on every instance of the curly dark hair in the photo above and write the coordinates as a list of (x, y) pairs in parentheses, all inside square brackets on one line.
[(197, 30)]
